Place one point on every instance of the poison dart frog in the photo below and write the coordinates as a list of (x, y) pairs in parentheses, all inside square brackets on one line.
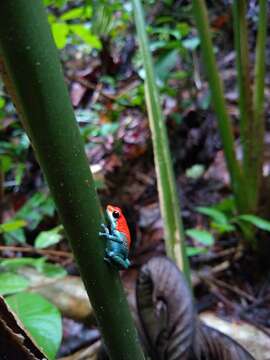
[(118, 238)]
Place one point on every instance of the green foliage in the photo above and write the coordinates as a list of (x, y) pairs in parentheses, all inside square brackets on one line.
[(220, 221), (10, 226), (41, 318), (195, 171), (224, 219), (254, 220), (48, 238), (73, 26), (40, 264), (13, 153), (30, 215), (201, 237), (11, 283)]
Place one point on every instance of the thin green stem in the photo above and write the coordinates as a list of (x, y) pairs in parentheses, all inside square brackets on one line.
[(34, 78), (217, 93), (244, 82), (170, 209), (256, 157)]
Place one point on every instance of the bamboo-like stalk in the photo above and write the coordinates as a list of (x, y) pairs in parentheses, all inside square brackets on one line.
[(245, 90), (257, 136), (219, 104), (33, 75), (169, 203)]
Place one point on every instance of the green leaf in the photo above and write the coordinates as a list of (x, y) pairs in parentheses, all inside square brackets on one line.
[(192, 43), (2, 102), (19, 172), (201, 236), (40, 264), (16, 263), (11, 283), (40, 318), (165, 64), (78, 13), (60, 33), (218, 216), (86, 35), (226, 205), (192, 251), (222, 228), (57, 3), (51, 270), (33, 211), (12, 226), (195, 171), (6, 163), (256, 221), (48, 238), (16, 236)]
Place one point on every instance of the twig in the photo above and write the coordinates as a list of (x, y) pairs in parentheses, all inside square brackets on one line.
[(37, 251), (234, 289)]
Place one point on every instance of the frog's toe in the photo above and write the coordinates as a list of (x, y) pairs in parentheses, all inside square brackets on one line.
[(105, 228), (127, 262), (118, 261), (102, 234)]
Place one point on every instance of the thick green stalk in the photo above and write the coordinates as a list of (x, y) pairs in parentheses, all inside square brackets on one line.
[(256, 157), (173, 227), (245, 90), (33, 75), (217, 93)]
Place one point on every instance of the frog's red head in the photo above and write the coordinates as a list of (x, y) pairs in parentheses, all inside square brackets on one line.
[(116, 214)]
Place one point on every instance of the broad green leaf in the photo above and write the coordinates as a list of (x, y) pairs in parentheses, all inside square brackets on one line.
[(41, 318), (40, 264), (16, 263), (12, 226), (201, 236), (48, 238), (256, 221), (192, 251), (86, 35), (11, 283), (60, 33), (218, 216)]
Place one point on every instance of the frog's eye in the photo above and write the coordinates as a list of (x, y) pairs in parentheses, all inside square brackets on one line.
[(116, 214)]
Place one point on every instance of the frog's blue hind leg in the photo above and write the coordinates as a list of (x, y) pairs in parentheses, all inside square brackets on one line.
[(117, 260)]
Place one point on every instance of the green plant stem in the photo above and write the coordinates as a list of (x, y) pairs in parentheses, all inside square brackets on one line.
[(170, 209), (217, 93), (245, 91), (33, 75), (258, 129)]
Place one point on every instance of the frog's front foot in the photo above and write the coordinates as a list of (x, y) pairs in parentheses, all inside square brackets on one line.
[(105, 232), (117, 260)]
